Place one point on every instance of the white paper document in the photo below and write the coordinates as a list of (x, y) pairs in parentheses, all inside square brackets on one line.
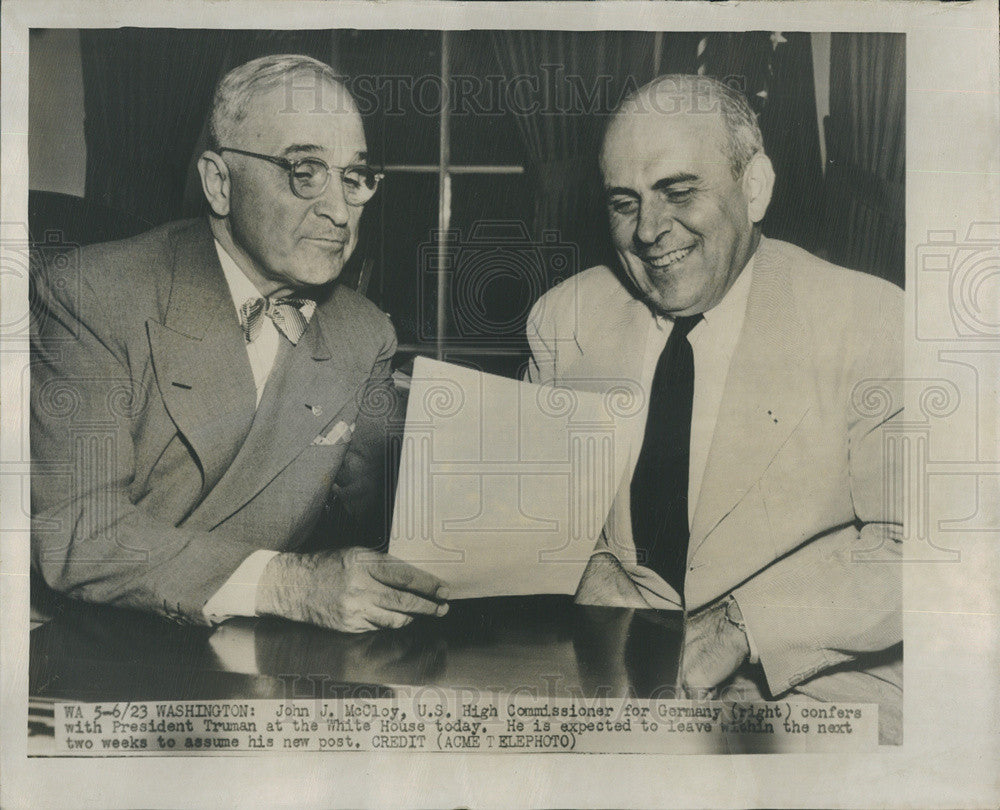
[(504, 486)]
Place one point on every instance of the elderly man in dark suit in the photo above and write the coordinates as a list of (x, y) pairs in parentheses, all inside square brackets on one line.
[(211, 389)]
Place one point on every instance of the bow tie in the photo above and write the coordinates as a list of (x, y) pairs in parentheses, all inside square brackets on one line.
[(286, 313)]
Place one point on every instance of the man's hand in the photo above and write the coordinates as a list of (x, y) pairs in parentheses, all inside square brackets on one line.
[(714, 647), (352, 590)]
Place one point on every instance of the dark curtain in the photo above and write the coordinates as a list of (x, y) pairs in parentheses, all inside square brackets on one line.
[(790, 127), (146, 93), (866, 165), (775, 72), (581, 76)]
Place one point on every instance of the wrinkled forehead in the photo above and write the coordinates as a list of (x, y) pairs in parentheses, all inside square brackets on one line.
[(303, 109), (643, 136)]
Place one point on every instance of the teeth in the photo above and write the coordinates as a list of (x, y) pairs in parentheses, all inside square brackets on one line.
[(669, 258)]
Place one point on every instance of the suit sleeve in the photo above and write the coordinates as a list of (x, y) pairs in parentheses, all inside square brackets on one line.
[(839, 596), (88, 539)]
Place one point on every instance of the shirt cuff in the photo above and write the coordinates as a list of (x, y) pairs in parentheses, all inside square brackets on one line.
[(238, 595)]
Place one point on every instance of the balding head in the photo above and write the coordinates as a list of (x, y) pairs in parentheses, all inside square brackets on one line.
[(680, 94)]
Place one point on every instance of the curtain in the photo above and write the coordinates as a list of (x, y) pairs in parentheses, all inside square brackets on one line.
[(866, 143), (774, 70), (146, 93), (790, 127), (580, 77)]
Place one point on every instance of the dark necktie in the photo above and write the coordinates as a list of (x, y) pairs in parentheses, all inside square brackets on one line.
[(285, 312), (660, 482)]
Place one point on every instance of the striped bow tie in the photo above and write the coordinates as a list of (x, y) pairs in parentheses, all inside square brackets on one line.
[(285, 312)]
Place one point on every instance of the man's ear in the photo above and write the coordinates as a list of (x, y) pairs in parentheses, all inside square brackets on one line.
[(758, 183), (215, 181)]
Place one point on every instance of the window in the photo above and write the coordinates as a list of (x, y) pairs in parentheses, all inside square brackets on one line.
[(455, 184)]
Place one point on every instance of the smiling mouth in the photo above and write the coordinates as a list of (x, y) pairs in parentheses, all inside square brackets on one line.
[(668, 259)]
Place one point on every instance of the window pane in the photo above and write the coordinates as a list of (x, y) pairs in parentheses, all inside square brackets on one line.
[(397, 232), (496, 269)]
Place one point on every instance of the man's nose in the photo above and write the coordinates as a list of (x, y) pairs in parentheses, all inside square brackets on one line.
[(654, 221), (332, 203)]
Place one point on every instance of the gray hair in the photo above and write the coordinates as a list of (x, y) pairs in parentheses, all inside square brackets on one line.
[(234, 92), (690, 93)]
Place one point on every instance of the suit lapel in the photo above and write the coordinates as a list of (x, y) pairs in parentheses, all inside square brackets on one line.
[(309, 385), (764, 398), (199, 357), (614, 353)]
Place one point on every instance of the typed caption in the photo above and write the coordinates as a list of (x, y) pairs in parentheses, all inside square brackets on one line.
[(452, 721)]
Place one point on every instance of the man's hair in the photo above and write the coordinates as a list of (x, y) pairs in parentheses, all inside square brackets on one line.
[(704, 94), (236, 90)]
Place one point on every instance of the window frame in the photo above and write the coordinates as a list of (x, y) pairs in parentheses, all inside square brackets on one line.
[(445, 170)]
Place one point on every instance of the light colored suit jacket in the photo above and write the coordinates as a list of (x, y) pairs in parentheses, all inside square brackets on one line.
[(793, 516), (155, 473)]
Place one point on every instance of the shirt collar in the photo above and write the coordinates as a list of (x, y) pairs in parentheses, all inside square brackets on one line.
[(241, 287)]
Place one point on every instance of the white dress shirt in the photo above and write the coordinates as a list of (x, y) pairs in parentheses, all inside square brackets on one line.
[(713, 341), (238, 595)]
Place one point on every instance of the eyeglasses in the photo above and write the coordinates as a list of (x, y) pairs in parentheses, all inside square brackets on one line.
[(309, 177)]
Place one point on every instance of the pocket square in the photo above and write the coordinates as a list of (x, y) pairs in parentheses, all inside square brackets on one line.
[(336, 433)]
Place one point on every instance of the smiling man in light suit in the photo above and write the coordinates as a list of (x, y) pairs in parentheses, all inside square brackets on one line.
[(211, 390), (757, 494)]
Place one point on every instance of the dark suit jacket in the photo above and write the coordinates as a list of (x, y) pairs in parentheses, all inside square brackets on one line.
[(154, 472)]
